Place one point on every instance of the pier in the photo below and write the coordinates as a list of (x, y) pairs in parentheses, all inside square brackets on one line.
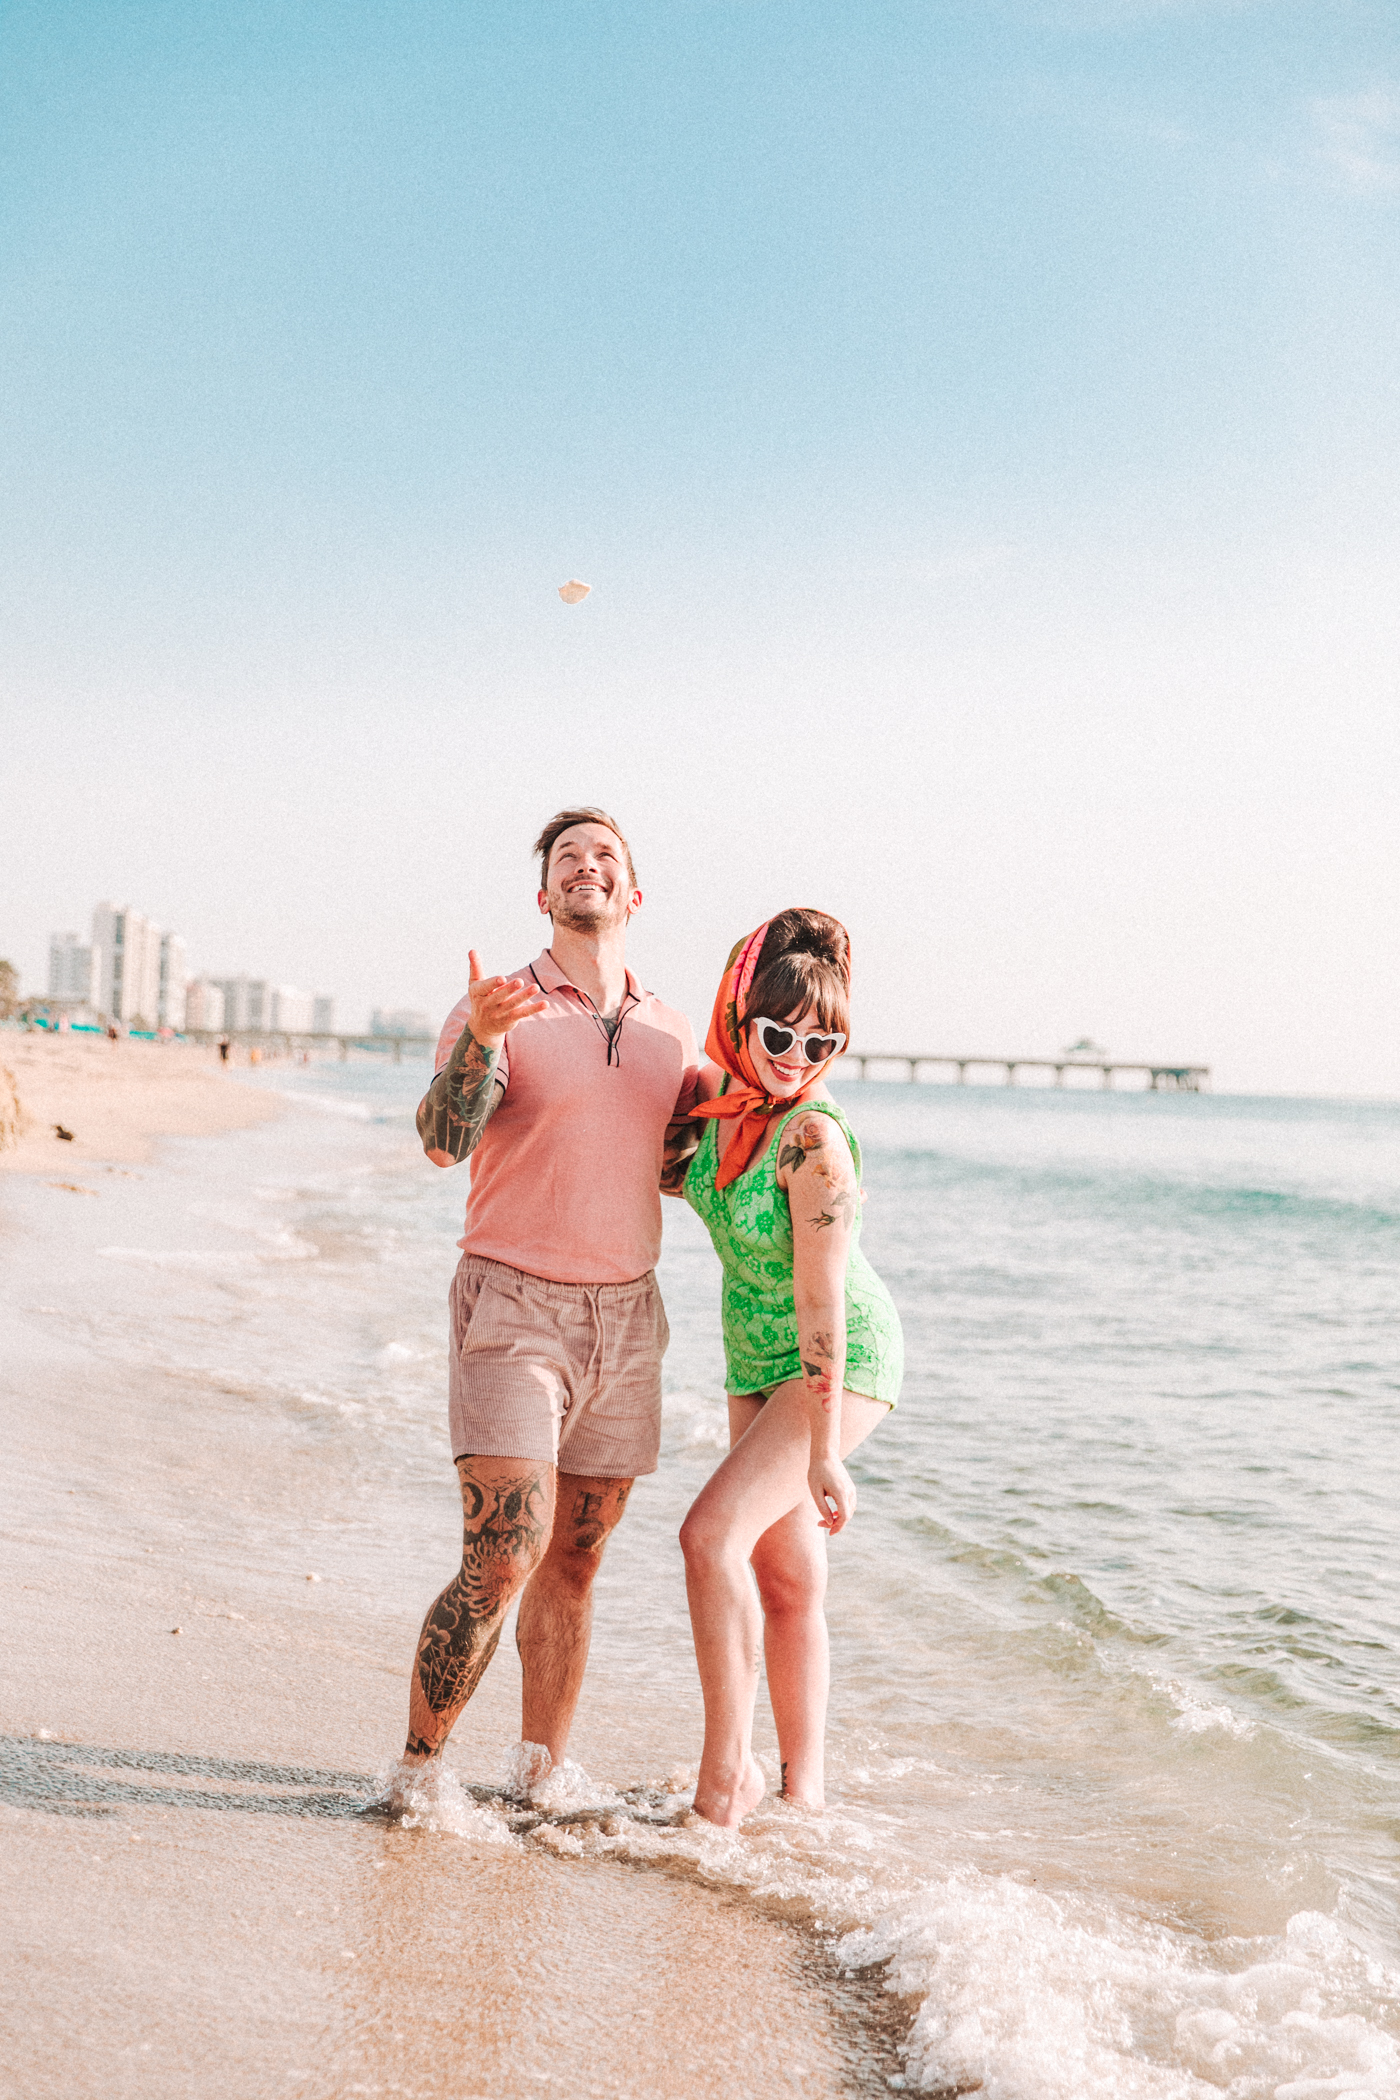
[(1163, 1078), (280, 1039)]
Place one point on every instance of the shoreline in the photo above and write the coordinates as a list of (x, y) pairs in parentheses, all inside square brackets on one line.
[(214, 1607), (115, 1098)]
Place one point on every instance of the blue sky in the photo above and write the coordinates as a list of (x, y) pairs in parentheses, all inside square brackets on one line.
[(978, 423)]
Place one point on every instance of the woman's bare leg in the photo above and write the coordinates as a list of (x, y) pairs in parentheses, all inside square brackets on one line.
[(790, 1563), (763, 1479)]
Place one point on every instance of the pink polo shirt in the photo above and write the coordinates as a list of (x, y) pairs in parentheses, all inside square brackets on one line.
[(565, 1182)]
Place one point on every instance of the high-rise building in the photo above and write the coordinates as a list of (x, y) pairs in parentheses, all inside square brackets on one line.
[(173, 981), (290, 1010), (125, 977), (323, 1014), (246, 1002), (204, 1004), (399, 1020), (70, 967), (235, 994)]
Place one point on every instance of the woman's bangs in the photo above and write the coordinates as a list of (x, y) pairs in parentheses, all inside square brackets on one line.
[(794, 984)]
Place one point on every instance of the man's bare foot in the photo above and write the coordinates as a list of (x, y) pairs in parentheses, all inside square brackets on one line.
[(527, 1767), (729, 1800), (409, 1777)]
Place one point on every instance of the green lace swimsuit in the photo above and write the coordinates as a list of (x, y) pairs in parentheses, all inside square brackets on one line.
[(751, 1226)]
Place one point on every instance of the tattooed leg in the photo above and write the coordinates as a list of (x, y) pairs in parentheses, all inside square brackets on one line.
[(556, 1611), (507, 1509)]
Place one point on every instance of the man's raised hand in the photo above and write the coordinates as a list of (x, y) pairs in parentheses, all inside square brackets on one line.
[(498, 1003)]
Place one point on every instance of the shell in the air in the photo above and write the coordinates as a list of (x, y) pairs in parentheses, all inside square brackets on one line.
[(572, 591)]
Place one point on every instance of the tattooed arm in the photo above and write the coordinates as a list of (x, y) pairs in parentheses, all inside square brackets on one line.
[(454, 1111), (816, 1168), (684, 1132)]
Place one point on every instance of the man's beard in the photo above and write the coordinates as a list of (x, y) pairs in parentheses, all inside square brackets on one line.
[(592, 914)]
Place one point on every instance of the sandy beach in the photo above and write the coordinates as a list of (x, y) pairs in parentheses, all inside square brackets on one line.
[(115, 1098), (214, 1604)]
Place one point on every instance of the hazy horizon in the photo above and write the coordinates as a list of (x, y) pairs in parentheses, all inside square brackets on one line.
[(977, 424)]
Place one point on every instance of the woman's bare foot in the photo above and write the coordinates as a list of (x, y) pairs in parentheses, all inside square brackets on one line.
[(729, 1800), (803, 1789)]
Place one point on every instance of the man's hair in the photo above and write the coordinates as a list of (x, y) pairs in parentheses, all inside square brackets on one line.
[(565, 821), (805, 963)]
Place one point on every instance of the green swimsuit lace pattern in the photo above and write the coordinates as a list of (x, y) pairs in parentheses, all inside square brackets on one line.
[(751, 1226)]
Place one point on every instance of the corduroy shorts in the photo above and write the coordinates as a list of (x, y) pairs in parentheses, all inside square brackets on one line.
[(568, 1374)]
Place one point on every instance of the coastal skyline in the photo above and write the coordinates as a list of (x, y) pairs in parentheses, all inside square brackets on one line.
[(975, 425), (136, 973)]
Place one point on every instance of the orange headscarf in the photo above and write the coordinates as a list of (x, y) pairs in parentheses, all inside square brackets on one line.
[(727, 1045)]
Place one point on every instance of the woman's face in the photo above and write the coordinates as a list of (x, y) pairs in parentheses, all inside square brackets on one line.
[(780, 1076)]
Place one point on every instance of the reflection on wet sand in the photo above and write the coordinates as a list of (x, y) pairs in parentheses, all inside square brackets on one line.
[(161, 1935), (65, 1779)]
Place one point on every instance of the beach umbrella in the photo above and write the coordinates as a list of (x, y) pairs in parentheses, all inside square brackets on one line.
[(573, 591)]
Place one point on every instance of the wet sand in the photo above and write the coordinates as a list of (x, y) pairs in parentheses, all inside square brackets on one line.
[(192, 1899), (115, 1099)]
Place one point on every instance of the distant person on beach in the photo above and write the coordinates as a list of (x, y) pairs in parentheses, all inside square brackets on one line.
[(813, 1350), (560, 1082), (223, 1049)]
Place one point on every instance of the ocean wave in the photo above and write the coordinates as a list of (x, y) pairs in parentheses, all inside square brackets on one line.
[(1029, 1997), (349, 1106), (1022, 1995), (701, 1423), (1063, 1186), (1195, 1716), (275, 1247)]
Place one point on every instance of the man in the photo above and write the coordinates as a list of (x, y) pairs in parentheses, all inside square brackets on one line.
[(560, 1083)]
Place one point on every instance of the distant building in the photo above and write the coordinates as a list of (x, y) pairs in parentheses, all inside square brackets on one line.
[(174, 979), (125, 973), (289, 1010), (278, 1009), (247, 1002), (204, 1004), (234, 991), (70, 967), (400, 1020)]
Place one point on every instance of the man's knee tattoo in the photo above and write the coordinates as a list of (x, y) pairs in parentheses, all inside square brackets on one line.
[(503, 1534)]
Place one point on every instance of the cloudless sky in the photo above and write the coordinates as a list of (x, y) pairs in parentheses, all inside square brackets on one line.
[(977, 418)]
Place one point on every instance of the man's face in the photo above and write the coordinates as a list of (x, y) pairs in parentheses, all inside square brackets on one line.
[(588, 889)]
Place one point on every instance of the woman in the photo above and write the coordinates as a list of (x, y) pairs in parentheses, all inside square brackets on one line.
[(812, 1345)]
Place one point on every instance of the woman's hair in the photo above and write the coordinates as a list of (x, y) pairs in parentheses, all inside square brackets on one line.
[(805, 962)]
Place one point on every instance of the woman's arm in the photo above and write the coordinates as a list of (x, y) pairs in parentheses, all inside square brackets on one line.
[(816, 1169)]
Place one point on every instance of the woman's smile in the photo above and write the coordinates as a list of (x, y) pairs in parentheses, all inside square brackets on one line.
[(789, 1073)]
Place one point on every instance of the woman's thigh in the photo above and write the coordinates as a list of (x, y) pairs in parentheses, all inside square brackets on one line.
[(765, 1474)]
